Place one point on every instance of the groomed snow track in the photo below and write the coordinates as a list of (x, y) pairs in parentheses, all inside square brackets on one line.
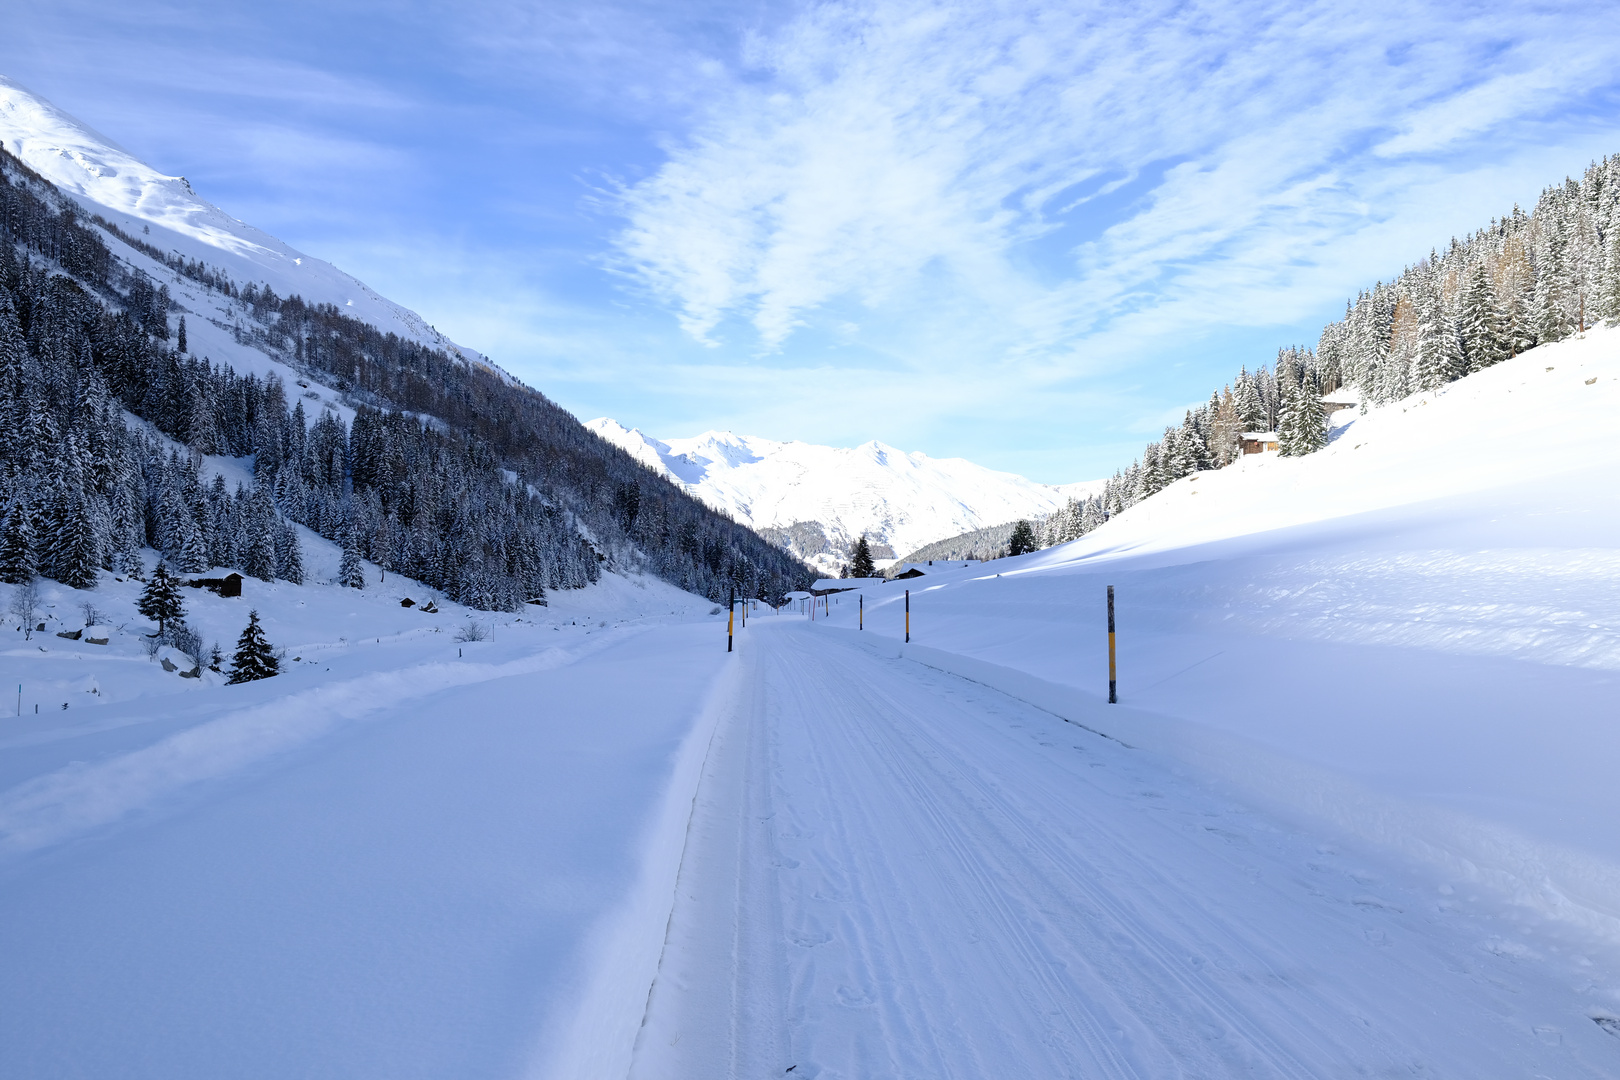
[(894, 872)]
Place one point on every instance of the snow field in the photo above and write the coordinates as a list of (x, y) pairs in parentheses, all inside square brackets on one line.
[(1414, 635), (408, 856)]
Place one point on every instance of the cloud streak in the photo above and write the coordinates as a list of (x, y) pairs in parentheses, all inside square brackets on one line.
[(881, 147)]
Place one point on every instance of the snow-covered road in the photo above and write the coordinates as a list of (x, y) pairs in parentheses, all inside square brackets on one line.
[(894, 872)]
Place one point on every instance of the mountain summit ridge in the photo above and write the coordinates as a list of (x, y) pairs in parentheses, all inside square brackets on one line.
[(818, 500)]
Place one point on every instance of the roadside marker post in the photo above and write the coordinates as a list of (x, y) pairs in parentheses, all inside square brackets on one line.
[(731, 616), (1113, 691), (908, 616), (862, 626)]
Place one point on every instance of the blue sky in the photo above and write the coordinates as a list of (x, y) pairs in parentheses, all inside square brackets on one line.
[(1025, 234)]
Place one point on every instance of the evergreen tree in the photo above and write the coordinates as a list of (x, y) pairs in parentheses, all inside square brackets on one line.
[(160, 600), (76, 548), (258, 546), (1552, 321), (18, 561), (180, 338), (1022, 541), (1291, 422), (1483, 341), (254, 658), (861, 565), (351, 573), (1432, 367), (1609, 295)]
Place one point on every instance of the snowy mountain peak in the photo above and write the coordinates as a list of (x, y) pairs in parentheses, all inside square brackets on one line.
[(165, 212), (818, 500)]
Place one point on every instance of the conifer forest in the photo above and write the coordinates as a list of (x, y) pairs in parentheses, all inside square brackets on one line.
[(450, 472)]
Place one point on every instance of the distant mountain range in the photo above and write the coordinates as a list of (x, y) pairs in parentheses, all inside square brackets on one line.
[(816, 501)]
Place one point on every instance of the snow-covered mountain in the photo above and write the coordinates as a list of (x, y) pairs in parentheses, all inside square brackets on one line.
[(163, 211), (818, 500)]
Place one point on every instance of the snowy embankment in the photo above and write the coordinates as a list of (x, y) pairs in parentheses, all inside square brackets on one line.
[(408, 855), (1414, 633)]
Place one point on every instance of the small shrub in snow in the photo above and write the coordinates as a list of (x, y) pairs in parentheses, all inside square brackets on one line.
[(24, 599), (254, 658), (473, 631), (183, 637)]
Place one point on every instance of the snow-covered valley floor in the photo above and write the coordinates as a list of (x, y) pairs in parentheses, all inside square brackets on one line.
[(1354, 814)]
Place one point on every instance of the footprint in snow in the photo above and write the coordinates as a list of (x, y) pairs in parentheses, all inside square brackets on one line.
[(1374, 902)]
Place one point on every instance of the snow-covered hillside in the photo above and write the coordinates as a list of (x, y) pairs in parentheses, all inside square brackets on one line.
[(1414, 633), (165, 212), (820, 499)]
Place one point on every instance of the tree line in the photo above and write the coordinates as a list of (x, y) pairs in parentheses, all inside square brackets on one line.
[(1524, 280)]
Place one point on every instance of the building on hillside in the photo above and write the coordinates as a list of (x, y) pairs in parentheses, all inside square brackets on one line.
[(828, 586), (906, 571), (1259, 442), (1344, 397)]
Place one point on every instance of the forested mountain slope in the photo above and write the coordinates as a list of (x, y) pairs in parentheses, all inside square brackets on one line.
[(437, 466), (1524, 280)]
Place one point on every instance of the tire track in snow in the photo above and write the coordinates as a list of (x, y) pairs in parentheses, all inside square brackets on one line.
[(966, 886)]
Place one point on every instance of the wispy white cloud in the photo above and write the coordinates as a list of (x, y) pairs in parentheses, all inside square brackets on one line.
[(894, 146)]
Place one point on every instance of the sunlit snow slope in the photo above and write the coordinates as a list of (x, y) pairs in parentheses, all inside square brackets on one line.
[(1414, 633), (163, 211), (897, 499)]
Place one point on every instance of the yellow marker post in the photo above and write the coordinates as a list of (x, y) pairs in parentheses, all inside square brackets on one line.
[(908, 616), (1113, 694)]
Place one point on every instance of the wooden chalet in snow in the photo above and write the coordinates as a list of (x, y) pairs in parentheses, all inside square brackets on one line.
[(1259, 442)]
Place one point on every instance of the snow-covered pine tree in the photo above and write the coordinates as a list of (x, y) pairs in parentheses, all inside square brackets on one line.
[(860, 563), (1481, 329), (1312, 431), (1288, 416), (1022, 541), (1430, 371), (257, 545), (1609, 298), (351, 573), (1246, 400), (18, 560), (289, 554), (1551, 320), (160, 600), (254, 658), (76, 547)]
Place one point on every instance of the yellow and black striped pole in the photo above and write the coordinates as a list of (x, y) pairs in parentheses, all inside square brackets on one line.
[(908, 616), (862, 626), (1113, 692), (731, 618)]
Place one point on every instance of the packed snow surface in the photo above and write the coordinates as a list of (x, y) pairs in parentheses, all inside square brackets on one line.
[(895, 498)]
